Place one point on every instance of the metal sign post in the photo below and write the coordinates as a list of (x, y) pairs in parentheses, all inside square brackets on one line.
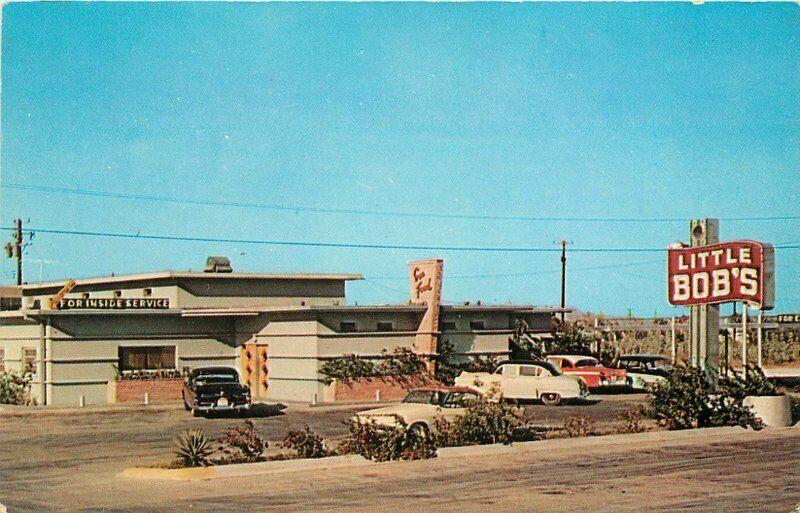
[(744, 337), (704, 318)]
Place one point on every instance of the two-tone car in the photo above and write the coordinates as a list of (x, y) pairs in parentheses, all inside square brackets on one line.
[(421, 407), (525, 380), (215, 389), (589, 370), (644, 369)]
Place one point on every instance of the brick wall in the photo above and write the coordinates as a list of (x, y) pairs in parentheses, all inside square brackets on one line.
[(159, 390), (366, 389)]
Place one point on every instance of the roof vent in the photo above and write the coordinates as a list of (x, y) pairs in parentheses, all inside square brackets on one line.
[(218, 264)]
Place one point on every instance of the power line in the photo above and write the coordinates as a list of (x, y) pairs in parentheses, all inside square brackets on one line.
[(532, 273), (349, 245), (367, 212)]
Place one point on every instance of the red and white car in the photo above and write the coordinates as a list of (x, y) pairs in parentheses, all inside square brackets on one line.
[(589, 370)]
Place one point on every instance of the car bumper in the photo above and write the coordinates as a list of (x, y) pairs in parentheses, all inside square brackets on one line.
[(227, 407)]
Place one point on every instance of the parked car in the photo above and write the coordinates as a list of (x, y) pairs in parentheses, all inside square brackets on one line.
[(644, 369), (589, 370), (526, 380), (214, 389), (421, 407)]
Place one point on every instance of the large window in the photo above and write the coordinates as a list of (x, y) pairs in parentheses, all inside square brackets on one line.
[(146, 357), (477, 325), (347, 327)]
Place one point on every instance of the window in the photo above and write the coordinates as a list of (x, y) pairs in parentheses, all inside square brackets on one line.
[(460, 400), (385, 326), (146, 358), (477, 325), (147, 292), (529, 370), (448, 326), (28, 359), (347, 327), (117, 293), (2, 359)]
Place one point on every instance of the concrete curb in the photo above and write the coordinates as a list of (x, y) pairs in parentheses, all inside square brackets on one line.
[(592, 441), (33, 411), (244, 469)]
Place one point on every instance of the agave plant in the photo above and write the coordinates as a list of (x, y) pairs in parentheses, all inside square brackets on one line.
[(193, 448)]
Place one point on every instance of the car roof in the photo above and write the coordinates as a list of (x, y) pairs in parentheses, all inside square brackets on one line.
[(524, 362), (215, 368), (641, 357), (571, 357), (445, 388)]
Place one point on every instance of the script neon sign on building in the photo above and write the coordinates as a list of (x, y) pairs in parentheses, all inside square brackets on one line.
[(722, 273)]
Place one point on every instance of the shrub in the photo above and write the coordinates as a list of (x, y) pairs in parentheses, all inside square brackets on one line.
[(690, 398), (379, 443), (14, 388), (631, 421), (401, 365), (579, 425), (306, 443), (484, 422), (193, 448), (242, 444)]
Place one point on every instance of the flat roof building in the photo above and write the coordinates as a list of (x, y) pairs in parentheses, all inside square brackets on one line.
[(276, 328)]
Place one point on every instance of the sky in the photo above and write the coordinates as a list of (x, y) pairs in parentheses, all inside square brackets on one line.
[(665, 111)]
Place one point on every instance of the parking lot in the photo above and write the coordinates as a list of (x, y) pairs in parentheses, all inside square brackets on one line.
[(67, 462)]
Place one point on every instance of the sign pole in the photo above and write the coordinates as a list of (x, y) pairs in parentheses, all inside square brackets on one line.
[(673, 349), (744, 337), (760, 338), (704, 318)]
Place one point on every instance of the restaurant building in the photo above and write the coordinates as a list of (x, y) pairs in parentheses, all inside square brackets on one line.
[(276, 328)]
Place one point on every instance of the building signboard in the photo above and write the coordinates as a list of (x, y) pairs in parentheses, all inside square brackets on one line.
[(720, 273), (113, 303)]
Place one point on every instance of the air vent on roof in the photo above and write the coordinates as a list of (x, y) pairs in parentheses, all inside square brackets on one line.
[(218, 264)]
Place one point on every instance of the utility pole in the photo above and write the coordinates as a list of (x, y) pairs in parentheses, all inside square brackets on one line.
[(14, 249), (563, 279)]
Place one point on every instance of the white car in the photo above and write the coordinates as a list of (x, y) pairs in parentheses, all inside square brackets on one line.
[(526, 380), (421, 407)]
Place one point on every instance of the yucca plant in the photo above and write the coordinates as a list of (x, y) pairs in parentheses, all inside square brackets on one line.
[(193, 448)]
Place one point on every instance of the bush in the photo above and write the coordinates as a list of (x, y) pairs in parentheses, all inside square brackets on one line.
[(484, 422), (401, 365), (579, 425), (379, 443), (193, 449), (631, 421), (242, 444), (305, 443), (14, 388), (690, 398)]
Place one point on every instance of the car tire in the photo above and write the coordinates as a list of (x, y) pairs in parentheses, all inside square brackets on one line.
[(551, 398), (419, 430)]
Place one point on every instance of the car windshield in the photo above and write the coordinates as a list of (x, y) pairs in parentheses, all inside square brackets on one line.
[(586, 362), (419, 397), (460, 399)]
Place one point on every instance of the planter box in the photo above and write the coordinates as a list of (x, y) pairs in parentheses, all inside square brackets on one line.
[(774, 411), (371, 389), (133, 390)]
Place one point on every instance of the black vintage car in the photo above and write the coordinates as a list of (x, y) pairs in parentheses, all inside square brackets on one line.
[(214, 389)]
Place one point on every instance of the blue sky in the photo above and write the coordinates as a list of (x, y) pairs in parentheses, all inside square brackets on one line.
[(589, 110)]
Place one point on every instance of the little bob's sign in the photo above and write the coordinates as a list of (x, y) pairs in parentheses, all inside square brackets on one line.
[(117, 303), (721, 273)]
